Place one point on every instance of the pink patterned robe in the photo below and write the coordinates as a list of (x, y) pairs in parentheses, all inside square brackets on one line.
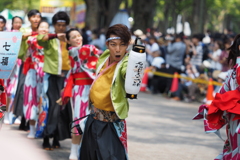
[(11, 84), (33, 68)]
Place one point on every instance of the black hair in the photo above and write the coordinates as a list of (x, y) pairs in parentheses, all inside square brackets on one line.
[(33, 12), (42, 22), (4, 20), (153, 38), (68, 35), (60, 16), (198, 36), (96, 32), (180, 36), (14, 19), (220, 44), (234, 51)]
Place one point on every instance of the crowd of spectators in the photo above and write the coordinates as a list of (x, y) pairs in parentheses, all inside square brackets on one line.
[(201, 56)]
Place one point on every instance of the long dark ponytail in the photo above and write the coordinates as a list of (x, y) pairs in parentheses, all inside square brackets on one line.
[(234, 51)]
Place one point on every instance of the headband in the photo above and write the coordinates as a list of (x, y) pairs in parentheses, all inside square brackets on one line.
[(38, 14), (1, 20), (61, 21), (112, 38)]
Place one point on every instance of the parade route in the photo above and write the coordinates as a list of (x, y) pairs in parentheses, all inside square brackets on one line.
[(158, 129)]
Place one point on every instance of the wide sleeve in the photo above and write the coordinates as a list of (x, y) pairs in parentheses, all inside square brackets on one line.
[(23, 47), (41, 42), (68, 85), (226, 85), (124, 67), (89, 57)]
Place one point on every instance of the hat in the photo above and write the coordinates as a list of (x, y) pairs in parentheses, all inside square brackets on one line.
[(223, 75), (138, 32), (157, 62), (206, 64), (206, 39)]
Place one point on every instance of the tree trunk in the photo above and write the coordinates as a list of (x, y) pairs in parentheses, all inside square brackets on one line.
[(112, 9), (165, 23), (227, 23), (199, 7), (92, 13), (143, 14), (202, 15)]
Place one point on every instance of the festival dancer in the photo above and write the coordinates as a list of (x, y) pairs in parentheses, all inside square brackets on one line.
[(33, 69), (105, 132), (12, 82), (78, 81), (224, 109), (56, 65), (34, 17)]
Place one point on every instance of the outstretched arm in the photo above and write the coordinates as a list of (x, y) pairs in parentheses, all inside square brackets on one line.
[(60, 36)]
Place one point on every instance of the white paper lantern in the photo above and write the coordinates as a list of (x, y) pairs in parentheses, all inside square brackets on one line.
[(135, 69)]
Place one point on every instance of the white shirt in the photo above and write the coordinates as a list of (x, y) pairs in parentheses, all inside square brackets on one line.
[(214, 64)]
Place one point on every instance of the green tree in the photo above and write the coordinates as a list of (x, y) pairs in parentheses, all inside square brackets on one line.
[(24, 5)]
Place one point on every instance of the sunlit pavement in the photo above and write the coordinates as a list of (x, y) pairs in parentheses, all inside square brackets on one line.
[(158, 129)]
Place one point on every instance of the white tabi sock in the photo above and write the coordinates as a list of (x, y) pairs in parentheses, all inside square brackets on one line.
[(74, 152), (6, 117), (18, 120), (32, 131)]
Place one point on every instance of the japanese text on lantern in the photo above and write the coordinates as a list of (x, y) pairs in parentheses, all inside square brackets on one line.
[(137, 75)]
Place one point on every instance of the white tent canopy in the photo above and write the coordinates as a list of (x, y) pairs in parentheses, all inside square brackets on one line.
[(122, 18)]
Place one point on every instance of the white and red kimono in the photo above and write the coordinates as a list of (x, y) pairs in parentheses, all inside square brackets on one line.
[(33, 86), (225, 110), (80, 78)]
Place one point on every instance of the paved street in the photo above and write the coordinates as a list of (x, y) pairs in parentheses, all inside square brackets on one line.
[(158, 129)]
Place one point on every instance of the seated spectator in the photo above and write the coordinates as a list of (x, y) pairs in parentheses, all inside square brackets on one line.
[(190, 89), (158, 83), (157, 62), (215, 56), (152, 49), (224, 55)]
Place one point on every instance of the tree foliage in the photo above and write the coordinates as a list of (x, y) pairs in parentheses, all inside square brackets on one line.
[(24, 5), (215, 15)]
